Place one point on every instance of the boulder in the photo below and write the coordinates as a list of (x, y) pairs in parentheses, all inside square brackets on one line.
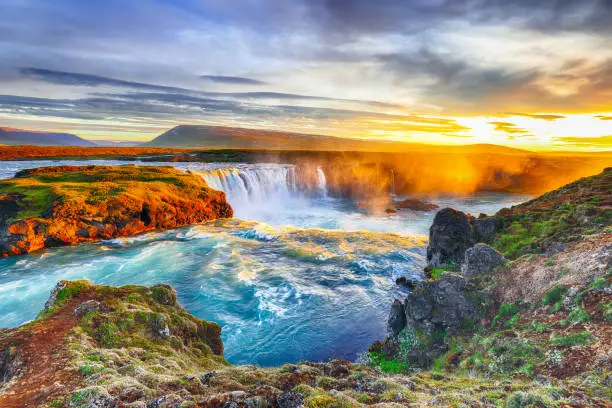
[(432, 311), (397, 318), (450, 236), (415, 205), (480, 259)]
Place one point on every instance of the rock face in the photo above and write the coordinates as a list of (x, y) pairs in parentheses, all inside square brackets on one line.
[(449, 237), (434, 310), (65, 205), (480, 259), (452, 233)]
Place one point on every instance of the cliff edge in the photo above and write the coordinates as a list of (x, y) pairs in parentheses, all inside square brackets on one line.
[(66, 205)]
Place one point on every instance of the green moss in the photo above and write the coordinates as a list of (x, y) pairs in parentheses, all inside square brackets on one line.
[(387, 366), (163, 295), (599, 283), (436, 272), (606, 309), (506, 310), (554, 295), (107, 335), (528, 399), (536, 327), (575, 339), (576, 316)]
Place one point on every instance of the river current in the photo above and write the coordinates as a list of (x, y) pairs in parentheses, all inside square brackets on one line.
[(295, 276)]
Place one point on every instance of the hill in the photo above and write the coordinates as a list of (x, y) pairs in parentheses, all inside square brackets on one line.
[(220, 137), (9, 136)]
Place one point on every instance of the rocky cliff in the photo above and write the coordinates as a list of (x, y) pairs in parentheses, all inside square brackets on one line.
[(543, 309), (56, 206)]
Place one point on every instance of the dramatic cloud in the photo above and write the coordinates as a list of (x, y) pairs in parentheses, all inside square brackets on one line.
[(232, 80), (353, 67)]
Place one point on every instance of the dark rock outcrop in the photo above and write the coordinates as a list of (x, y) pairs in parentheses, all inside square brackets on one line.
[(480, 259), (434, 310), (450, 236), (415, 205), (397, 318), (452, 233)]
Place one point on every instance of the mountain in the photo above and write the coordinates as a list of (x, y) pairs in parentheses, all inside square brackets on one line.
[(220, 137), (9, 136)]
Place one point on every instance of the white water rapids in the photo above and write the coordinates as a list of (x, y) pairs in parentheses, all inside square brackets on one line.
[(307, 277)]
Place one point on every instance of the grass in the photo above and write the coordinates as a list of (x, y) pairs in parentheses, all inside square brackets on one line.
[(38, 191), (436, 273), (575, 339), (554, 295), (505, 310)]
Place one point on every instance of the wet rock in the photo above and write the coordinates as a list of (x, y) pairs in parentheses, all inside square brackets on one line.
[(415, 205), (406, 282), (290, 399), (432, 311), (450, 236), (397, 318), (480, 259)]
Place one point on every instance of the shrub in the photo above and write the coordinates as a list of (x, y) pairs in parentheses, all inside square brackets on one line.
[(505, 310), (163, 295), (527, 399), (536, 326), (436, 272), (576, 316), (576, 339), (554, 295), (107, 335), (385, 365)]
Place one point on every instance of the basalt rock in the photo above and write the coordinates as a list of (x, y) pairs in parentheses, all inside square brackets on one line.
[(452, 233), (450, 236), (433, 310), (480, 259)]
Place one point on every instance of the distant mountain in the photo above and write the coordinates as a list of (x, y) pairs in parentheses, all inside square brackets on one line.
[(220, 137), (9, 136), (115, 143)]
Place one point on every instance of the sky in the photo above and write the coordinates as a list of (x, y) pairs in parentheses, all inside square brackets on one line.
[(521, 73)]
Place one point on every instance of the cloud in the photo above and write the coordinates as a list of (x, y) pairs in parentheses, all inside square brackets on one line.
[(72, 78), (509, 128), (603, 117), (598, 142), (549, 118), (233, 80)]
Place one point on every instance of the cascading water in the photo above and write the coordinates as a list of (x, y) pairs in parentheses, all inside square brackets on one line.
[(321, 182), (253, 184)]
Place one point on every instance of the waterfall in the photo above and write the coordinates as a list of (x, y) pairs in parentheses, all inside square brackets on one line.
[(253, 184), (321, 182)]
